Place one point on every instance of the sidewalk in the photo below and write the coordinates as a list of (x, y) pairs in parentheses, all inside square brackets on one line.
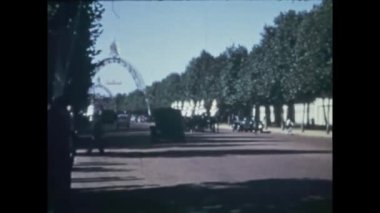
[(295, 131)]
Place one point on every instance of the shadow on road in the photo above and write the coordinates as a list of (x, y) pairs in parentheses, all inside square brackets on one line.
[(97, 169), (272, 195), (142, 141), (203, 153), (100, 164), (114, 195), (103, 179), (196, 146)]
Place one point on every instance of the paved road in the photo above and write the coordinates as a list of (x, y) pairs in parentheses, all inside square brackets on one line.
[(210, 172)]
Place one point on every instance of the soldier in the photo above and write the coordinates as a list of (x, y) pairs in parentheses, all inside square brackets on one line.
[(98, 132), (236, 123)]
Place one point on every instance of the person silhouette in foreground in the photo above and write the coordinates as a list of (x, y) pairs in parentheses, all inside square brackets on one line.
[(59, 162), (98, 132)]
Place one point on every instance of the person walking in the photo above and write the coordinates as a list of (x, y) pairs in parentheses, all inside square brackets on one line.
[(289, 126), (97, 134)]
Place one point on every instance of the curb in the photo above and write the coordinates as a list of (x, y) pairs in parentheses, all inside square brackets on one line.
[(307, 133)]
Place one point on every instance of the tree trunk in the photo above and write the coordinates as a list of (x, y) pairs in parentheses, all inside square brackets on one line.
[(328, 116), (308, 115), (257, 112), (257, 116), (207, 106), (291, 112), (282, 119), (247, 110), (325, 117), (267, 116), (303, 118), (278, 115)]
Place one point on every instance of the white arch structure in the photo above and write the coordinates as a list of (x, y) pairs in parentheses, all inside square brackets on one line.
[(137, 78), (101, 86)]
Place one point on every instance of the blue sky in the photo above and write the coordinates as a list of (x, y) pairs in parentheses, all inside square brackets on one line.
[(161, 37)]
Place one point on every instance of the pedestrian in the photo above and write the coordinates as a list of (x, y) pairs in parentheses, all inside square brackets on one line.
[(97, 135), (289, 126), (265, 123), (236, 123)]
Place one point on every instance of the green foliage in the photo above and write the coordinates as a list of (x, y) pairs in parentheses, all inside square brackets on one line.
[(135, 101), (292, 63), (230, 81), (73, 28)]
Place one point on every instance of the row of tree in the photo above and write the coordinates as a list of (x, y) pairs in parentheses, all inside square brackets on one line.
[(291, 64)]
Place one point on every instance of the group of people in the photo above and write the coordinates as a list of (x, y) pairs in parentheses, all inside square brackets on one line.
[(201, 123), (248, 124)]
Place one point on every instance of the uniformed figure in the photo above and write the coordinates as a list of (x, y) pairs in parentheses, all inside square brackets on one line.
[(98, 132), (236, 123), (289, 126)]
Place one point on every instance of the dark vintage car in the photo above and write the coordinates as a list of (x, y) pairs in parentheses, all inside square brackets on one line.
[(169, 125)]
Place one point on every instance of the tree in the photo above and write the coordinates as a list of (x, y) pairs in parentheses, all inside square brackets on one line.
[(135, 102), (170, 89), (120, 102), (283, 55), (270, 75), (73, 28), (72, 31), (314, 55), (229, 78), (198, 76), (291, 64), (252, 81)]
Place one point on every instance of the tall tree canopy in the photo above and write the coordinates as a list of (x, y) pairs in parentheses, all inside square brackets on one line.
[(291, 64), (73, 28)]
